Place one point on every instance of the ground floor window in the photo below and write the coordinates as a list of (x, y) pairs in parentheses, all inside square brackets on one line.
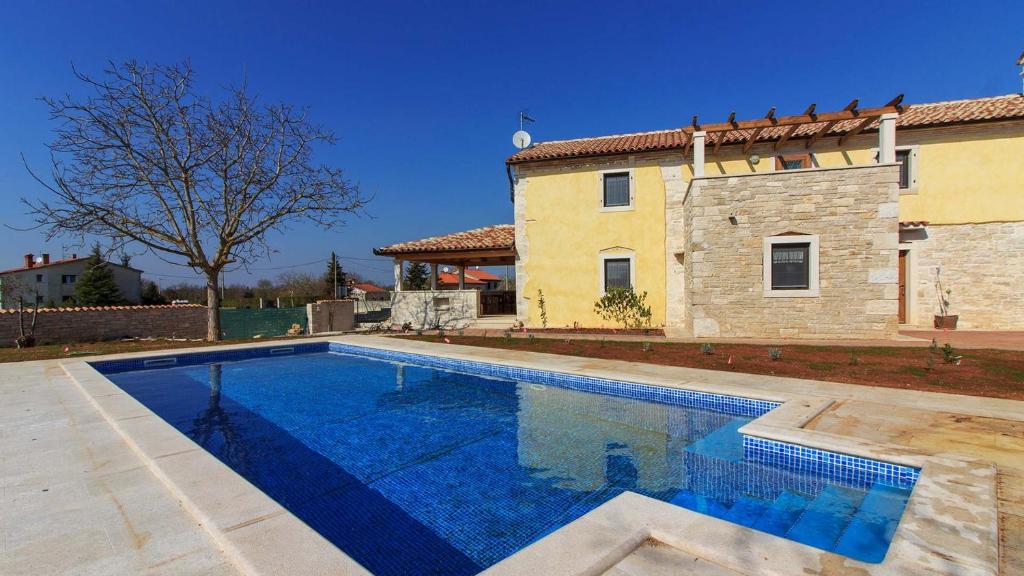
[(616, 273), (618, 268), (791, 266)]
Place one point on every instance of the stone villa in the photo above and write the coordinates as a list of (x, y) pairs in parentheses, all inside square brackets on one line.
[(819, 225)]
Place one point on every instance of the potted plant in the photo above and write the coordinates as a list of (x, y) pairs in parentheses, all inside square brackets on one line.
[(944, 320)]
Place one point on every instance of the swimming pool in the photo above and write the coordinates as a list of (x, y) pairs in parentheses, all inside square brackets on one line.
[(413, 464)]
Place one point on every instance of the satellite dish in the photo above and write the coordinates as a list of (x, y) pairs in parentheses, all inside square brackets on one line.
[(521, 139)]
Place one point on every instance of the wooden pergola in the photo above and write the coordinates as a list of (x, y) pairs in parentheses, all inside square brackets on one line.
[(811, 125)]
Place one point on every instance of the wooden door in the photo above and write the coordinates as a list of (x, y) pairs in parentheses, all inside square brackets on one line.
[(903, 286)]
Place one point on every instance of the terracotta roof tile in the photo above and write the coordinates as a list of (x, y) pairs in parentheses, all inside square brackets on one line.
[(449, 279), (70, 309), (1010, 106), (497, 237)]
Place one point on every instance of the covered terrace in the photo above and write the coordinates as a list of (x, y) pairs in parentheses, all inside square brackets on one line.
[(462, 306)]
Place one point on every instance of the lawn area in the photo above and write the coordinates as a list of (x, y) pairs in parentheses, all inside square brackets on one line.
[(51, 351), (992, 373)]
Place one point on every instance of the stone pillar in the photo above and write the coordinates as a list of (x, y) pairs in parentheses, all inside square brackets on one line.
[(887, 138), (398, 275), (462, 277), (698, 153), (433, 276)]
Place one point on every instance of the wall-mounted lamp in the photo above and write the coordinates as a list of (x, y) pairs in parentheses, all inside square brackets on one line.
[(732, 219), (754, 158)]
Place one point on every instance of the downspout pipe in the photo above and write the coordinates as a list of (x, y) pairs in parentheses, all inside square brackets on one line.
[(511, 182)]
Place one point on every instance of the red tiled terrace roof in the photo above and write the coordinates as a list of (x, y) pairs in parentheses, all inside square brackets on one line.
[(497, 237)]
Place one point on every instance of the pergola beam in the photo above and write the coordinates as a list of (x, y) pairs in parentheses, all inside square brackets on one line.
[(789, 131), (720, 137), (821, 132), (856, 129), (849, 113), (751, 139), (755, 128)]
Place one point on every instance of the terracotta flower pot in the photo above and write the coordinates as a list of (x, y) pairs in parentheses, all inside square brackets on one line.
[(946, 322)]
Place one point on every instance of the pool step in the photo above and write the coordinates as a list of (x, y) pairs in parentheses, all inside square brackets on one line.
[(873, 525), (782, 514), (746, 511), (721, 444), (699, 503), (821, 523)]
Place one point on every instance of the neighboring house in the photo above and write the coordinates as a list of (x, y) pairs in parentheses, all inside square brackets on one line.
[(45, 281), (367, 291), (824, 224), (448, 279)]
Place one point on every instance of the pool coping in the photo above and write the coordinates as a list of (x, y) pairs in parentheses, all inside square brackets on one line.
[(262, 537)]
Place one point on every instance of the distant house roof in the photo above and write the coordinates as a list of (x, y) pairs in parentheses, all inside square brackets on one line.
[(1008, 107), (473, 276), (482, 275), (41, 265), (497, 237), (453, 279), (366, 287), (61, 262)]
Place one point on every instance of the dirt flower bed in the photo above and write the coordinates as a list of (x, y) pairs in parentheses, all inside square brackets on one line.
[(992, 373), (608, 331)]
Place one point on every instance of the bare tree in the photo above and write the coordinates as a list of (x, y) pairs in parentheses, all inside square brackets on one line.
[(145, 158)]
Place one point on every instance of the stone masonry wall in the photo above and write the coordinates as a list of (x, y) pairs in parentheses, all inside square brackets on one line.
[(983, 266), (67, 325), (854, 210), (427, 309)]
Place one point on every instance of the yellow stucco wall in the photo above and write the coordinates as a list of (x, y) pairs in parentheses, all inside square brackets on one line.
[(567, 233), (968, 179)]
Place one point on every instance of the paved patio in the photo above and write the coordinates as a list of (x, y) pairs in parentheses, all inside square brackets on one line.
[(78, 499)]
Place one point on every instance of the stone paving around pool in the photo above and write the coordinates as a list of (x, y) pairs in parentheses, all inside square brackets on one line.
[(91, 484)]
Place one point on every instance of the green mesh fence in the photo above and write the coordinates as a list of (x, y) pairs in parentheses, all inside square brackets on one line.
[(245, 323)]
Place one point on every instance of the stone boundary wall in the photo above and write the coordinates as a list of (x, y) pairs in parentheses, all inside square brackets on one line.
[(855, 213), (426, 309), (983, 265), (67, 325)]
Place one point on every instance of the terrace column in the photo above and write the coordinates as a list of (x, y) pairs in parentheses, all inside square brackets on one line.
[(433, 276), (698, 153), (398, 275), (462, 277), (887, 138)]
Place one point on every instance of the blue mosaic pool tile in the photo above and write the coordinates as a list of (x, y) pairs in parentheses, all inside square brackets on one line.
[(828, 464), (719, 402)]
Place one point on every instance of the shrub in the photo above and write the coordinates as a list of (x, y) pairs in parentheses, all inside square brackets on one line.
[(950, 355), (775, 354), (934, 346), (624, 306), (543, 305), (854, 360), (647, 346), (707, 348)]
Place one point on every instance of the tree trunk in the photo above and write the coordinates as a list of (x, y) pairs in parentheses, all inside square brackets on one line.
[(212, 307)]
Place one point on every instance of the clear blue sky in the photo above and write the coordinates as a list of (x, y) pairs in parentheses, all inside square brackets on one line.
[(424, 95)]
